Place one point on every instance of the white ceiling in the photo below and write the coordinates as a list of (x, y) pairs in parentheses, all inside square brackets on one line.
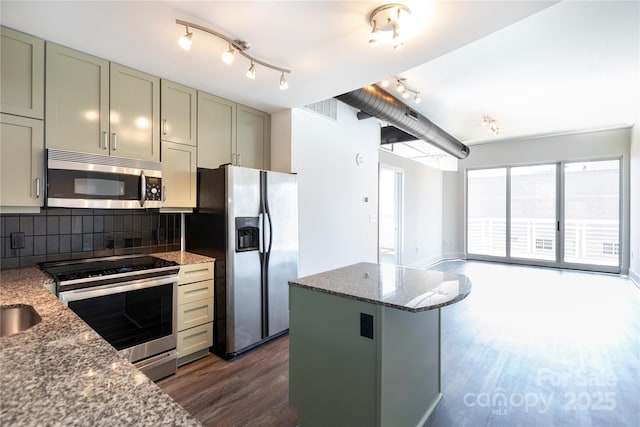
[(535, 66)]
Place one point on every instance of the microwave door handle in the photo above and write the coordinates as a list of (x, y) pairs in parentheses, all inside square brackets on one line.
[(143, 188)]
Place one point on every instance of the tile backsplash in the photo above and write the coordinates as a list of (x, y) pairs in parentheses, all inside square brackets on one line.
[(57, 234)]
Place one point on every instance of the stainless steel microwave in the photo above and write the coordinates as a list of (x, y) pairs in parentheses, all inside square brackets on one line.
[(80, 180)]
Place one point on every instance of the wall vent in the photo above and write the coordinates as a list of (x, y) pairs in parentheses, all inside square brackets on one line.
[(327, 108)]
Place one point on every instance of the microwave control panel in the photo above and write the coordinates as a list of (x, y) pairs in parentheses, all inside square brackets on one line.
[(154, 188)]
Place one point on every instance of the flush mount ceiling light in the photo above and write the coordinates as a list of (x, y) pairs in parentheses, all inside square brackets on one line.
[(234, 45), (491, 123), (387, 22), (401, 87)]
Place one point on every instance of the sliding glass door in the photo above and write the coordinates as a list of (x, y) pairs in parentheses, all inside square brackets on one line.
[(487, 212), (592, 212), (533, 212), (557, 214)]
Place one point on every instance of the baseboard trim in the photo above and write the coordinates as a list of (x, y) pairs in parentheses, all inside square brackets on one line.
[(635, 277)]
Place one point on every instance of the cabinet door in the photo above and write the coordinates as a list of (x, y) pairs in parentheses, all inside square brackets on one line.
[(216, 130), (253, 138), (135, 114), (178, 175), (21, 161), (178, 110), (21, 74), (77, 104)]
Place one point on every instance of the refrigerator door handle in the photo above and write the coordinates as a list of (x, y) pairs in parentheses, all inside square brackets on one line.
[(268, 247), (261, 233)]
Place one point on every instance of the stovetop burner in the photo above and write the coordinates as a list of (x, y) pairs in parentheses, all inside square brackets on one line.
[(78, 270)]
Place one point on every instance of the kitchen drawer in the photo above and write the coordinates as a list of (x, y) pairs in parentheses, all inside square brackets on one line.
[(195, 313), (195, 339), (196, 272), (195, 292)]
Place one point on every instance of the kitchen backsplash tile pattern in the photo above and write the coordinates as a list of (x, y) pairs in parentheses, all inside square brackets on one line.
[(60, 234)]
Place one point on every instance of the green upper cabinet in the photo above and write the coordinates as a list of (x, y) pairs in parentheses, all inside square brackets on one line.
[(253, 138), (135, 114), (94, 106), (178, 110), (21, 162), (21, 74), (77, 101), (178, 175), (216, 130), (232, 133)]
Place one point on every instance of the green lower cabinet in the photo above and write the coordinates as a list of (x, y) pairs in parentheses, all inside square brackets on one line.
[(341, 373), (195, 311)]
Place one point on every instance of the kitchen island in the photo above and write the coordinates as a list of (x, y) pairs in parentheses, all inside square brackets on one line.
[(61, 372), (365, 344)]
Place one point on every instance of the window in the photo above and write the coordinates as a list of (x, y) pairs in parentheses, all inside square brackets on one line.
[(555, 214), (486, 211)]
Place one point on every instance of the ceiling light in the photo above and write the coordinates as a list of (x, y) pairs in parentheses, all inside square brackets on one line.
[(402, 88), (385, 22), (283, 83), (185, 41), (234, 45), (227, 56), (251, 72), (374, 37), (489, 121)]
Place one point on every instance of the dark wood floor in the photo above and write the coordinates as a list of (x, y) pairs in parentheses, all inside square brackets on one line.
[(529, 347), (250, 390)]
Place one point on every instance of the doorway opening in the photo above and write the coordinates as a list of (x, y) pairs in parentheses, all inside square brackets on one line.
[(390, 215)]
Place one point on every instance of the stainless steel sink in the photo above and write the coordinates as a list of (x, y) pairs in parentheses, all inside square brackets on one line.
[(17, 318)]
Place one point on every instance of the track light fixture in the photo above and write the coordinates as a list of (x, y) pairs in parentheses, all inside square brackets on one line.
[(491, 123), (387, 21), (401, 87), (234, 45), (284, 85), (185, 41), (227, 56), (251, 72)]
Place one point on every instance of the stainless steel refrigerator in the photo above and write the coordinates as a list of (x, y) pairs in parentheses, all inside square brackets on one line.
[(247, 219)]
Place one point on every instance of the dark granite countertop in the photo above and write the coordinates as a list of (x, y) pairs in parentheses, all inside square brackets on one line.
[(403, 288), (183, 258), (61, 372)]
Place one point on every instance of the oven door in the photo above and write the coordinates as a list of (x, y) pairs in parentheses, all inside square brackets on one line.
[(138, 317)]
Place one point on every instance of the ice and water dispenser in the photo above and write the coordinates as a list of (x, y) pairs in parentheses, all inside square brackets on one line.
[(247, 234)]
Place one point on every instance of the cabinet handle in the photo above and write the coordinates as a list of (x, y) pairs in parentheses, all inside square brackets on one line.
[(115, 142), (37, 188), (164, 193), (239, 159), (164, 126), (105, 140)]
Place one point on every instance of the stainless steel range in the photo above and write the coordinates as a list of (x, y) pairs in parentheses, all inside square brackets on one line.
[(130, 301)]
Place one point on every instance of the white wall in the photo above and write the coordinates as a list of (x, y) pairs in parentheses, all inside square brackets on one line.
[(335, 227), (422, 217), (576, 146)]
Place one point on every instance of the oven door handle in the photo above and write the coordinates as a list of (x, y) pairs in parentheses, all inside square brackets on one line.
[(114, 288)]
